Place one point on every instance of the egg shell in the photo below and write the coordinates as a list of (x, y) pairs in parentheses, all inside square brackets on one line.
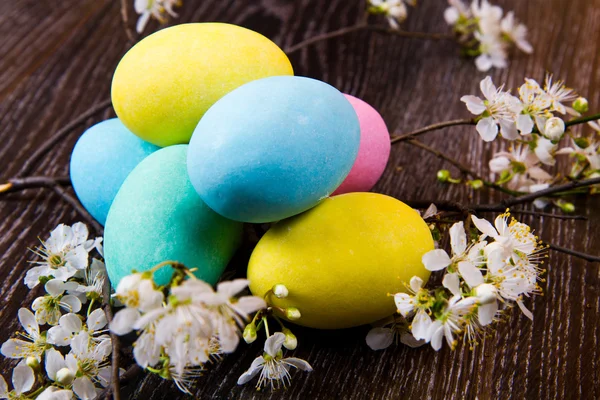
[(273, 148), (157, 216), (166, 82), (340, 259), (101, 160), (374, 150)]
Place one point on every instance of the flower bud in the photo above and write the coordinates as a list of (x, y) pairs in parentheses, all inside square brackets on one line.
[(554, 128), (581, 105), (476, 184), (290, 342), (486, 293), (32, 363), (65, 376), (566, 206), (443, 175), (292, 313), (581, 142), (280, 291), (250, 333)]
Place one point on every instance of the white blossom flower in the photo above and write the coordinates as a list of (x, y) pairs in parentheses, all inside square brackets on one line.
[(390, 330), (466, 259), (420, 301), (493, 52), (521, 167), (498, 108), (516, 32), (69, 326), (545, 150), (273, 368), (587, 154), (231, 311), (63, 254), (394, 10), (513, 239), (558, 93), (457, 11), (535, 103), (47, 308), (86, 364), (93, 282), (451, 321), (159, 9), (34, 344), (23, 380), (137, 291)]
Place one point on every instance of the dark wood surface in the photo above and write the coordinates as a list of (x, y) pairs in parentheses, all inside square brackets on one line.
[(57, 60)]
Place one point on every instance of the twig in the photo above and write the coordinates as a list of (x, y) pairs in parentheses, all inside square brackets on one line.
[(583, 120), (125, 19), (461, 167), (115, 383), (540, 214), (363, 27), (583, 256), (75, 204), (552, 190), (58, 136), (16, 184), (429, 128)]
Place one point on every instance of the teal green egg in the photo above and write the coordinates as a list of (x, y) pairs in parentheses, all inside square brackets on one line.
[(158, 216)]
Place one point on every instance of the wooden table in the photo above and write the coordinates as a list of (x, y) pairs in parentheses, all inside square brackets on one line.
[(57, 60)]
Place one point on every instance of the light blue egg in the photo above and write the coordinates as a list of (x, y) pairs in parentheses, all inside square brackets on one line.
[(101, 160), (273, 148), (158, 216)]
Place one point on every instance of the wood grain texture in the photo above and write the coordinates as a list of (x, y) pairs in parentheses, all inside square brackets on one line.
[(57, 59)]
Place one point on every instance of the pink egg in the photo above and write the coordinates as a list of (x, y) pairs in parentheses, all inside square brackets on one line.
[(373, 153)]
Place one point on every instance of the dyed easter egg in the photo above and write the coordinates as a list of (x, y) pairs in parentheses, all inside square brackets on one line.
[(340, 259), (158, 216), (373, 153), (166, 82), (273, 148), (101, 160)]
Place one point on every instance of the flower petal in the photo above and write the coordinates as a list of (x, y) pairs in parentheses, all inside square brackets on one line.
[(54, 363), (410, 341), (452, 283), (380, 338), (84, 388), (487, 129), (27, 320), (420, 325), (55, 287), (458, 238), (273, 343), (525, 310), (70, 302), (487, 312), (249, 304), (124, 320), (254, 369), (416, 283), (524, 124), (22, 379), (436, 260), (231, 288), (298, 363), (474, 104), (96, 320), (470, 273), (484, 226)]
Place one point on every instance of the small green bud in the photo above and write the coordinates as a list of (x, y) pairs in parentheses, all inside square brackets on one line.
[(280, 291), (44, 279), (476, 184), (581, 105), (292, 313), (443, 175), (249, 333), (566, 206), (291, 342)]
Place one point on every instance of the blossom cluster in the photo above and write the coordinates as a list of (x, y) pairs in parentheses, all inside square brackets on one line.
[(536, 121), (184, 325), (486, 33), (394, 10), (75, 349), (481, 277)]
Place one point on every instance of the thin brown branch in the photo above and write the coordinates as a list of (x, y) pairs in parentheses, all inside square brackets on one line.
[(583, 256), (540, 214), (552, 190), (75, 204), (363, 27), (30, 182), (60, 135), (115, 383), (429, 128), (131, 36)]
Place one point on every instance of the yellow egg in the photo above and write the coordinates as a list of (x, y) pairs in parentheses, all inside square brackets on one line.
[(166, 82), (340, 259)]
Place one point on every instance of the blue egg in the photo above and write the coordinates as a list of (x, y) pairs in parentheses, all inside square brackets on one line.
[(101, 160), (273, 148)]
